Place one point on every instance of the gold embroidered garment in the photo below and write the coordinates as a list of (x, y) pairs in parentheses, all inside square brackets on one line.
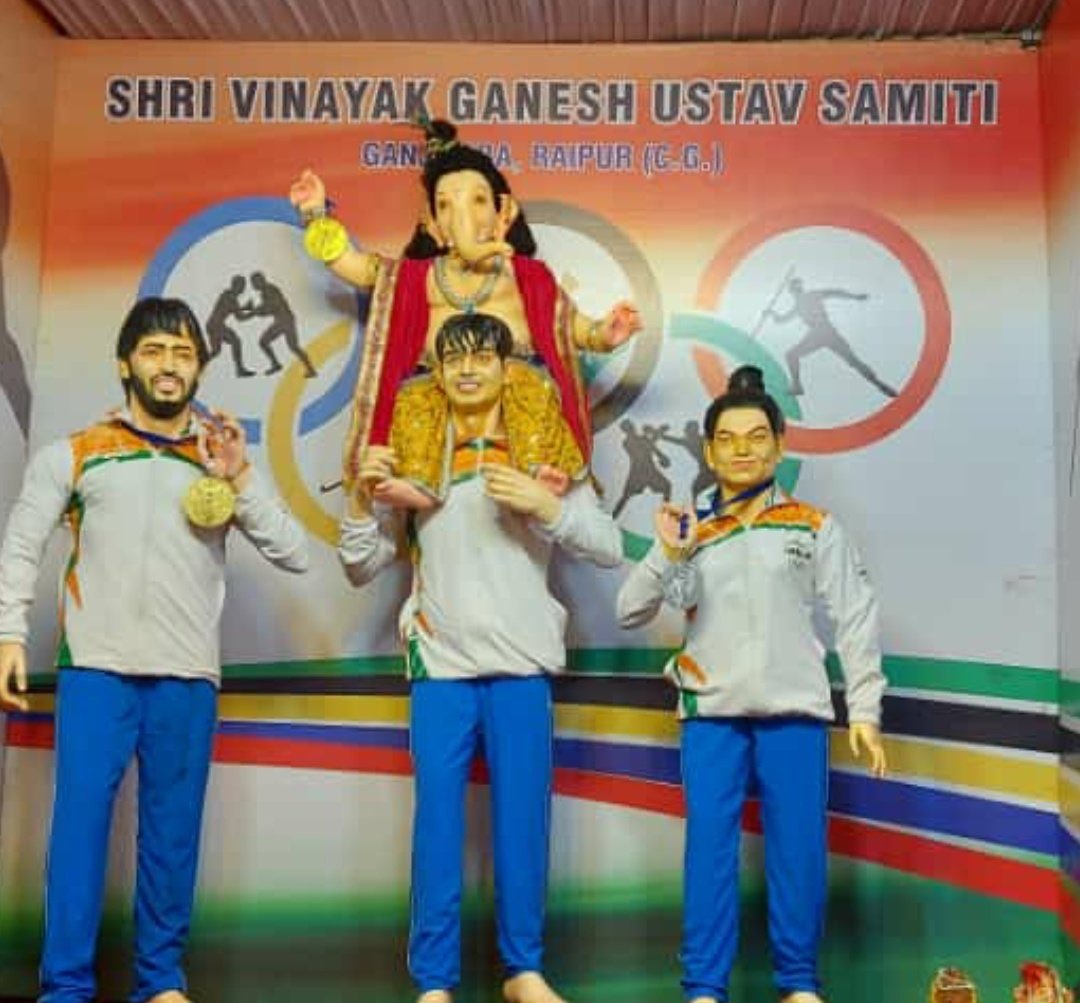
[(536, 429)]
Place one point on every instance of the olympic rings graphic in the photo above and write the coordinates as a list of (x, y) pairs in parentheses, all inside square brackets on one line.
[(703, 329), (282, 424), (645, 346), (938, 322)]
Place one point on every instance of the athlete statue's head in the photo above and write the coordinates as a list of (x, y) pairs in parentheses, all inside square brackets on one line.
[(469, 210), (745, 389), (744, 433), (472, 332), (160, 352), (471, 350)]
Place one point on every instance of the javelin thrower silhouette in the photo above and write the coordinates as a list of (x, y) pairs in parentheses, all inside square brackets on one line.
[(808, 305)]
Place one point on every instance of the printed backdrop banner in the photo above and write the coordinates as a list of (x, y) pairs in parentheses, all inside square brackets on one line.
[(27, 67), (1061, 97), (865, 223)]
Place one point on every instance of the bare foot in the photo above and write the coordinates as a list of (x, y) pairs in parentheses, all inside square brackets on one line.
[(703, 999), (170, 996), (802, 997), (399, 493), (529, 987), (435, 996)]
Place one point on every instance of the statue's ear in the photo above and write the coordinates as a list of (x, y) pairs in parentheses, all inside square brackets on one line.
[(428, 224), (508, 212)]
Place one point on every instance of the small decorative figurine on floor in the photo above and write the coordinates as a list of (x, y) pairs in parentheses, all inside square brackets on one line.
[(951, 985), (1040, 983)]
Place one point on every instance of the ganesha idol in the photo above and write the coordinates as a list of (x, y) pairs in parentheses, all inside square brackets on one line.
[(472, 251)]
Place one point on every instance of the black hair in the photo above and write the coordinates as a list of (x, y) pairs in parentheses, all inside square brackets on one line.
[(470, 331), (445, 155), (746, 388), (156, 313)]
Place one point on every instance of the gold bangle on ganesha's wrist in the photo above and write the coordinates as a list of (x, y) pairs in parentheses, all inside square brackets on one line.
[(312, 212), (595, 340), (324, 208)]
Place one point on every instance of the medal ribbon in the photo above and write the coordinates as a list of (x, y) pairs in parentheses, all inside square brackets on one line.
[(717, 505)]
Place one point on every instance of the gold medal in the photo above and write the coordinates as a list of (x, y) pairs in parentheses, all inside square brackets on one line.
[(326, 239), (209, 502)]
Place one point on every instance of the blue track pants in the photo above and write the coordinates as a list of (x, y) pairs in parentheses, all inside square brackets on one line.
[(787, 758), (103, 719), (510, 719)]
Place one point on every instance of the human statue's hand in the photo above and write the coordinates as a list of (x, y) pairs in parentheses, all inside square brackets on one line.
[(13, 675), (222, 445), (377, 464), (377, 467), (676, 529), (866, 735), (521, 493)]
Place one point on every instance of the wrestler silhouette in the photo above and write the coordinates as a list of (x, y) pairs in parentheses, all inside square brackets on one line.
[(646, 459), (694, 443), (272, 304), (218, 332)]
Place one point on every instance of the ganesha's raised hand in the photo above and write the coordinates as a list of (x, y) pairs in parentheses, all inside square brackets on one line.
[(308, 191), (621, 324)]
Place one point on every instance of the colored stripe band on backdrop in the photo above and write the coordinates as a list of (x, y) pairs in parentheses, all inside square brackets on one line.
[(870, 827), (981, 817), (362, 748), (977, 679)]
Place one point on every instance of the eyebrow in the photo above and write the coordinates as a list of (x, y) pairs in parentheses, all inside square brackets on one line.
[(482, 350), (468, 186), (161, 343), (764, 427)]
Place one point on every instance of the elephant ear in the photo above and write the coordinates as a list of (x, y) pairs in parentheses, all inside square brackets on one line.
[(428, 224), (509, 211)]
